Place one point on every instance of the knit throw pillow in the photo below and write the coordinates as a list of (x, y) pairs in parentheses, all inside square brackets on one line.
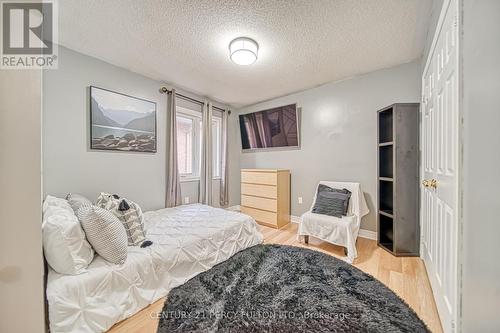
[(104, 232), (129, 213)]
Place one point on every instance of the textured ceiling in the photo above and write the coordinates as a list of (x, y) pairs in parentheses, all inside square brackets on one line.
[(302, 43)]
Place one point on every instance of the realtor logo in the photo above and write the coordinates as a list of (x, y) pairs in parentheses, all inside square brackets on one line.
[(29, 35)]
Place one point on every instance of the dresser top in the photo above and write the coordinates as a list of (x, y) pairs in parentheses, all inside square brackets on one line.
[(265, 170)]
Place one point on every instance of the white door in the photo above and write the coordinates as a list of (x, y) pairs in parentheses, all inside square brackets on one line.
[(440, 165)]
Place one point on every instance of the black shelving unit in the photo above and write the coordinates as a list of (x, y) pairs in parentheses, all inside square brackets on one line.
[(398, 183)]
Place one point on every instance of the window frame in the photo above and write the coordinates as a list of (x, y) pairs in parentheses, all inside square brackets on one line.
[(196, 117), (183, 118), (217, 156)]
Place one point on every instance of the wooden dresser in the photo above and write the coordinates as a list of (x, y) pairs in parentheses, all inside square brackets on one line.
[(265, 195)]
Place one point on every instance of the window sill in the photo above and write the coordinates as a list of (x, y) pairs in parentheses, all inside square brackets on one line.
[(195, 179), (189, 179)]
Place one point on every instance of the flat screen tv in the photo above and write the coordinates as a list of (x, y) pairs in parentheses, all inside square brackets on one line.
[(272, 128)]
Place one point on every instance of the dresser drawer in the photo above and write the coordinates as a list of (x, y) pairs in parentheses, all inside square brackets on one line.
[(260, 203), (261, 216), (266, 191), (265, 178)]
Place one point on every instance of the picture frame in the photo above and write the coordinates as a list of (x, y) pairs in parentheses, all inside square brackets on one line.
[(120, 122)]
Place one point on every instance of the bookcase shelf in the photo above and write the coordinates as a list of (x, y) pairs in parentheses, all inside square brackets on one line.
[(398, 187), (386, 232), (386, 196), (387, 213), (385, 125), (386, 161)]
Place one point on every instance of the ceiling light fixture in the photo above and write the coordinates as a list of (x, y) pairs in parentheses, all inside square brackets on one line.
[(243, 51)]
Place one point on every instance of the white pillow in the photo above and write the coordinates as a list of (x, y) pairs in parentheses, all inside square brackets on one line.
[(51, 201), (64, 244), (76, 201)]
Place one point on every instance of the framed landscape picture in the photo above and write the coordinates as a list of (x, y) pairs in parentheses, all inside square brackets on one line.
[(121, 122)]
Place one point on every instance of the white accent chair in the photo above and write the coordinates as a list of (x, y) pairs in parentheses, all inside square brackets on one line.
[(339, 231)]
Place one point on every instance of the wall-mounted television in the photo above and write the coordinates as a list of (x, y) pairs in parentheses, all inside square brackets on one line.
[(273, 128)]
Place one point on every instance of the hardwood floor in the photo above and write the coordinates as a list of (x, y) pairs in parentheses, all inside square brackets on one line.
[(404, 275)]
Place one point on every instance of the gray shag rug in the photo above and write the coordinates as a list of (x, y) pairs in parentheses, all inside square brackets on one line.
[(276, 288)]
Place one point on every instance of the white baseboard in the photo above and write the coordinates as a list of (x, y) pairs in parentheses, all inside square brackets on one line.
[(236, 208), (363, 233)]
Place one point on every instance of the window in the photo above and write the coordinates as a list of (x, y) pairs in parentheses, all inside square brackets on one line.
[(216, 146), (185, 145), (189, 141)]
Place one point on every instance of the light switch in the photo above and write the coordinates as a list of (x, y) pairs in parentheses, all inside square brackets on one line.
[(300, 200), (186, 200)]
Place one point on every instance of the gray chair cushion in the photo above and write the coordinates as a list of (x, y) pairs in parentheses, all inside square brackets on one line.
[(77, 200), (104, 232), (331, 201)]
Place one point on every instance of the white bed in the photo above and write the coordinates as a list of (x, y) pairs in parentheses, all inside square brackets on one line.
[(187, 240)]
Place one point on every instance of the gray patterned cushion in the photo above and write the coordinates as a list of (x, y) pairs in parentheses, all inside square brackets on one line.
[(104, 232), (77, 200), (129, 213), (331, 201)]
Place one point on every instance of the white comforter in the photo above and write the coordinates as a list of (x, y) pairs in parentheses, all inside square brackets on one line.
[(187, 240)]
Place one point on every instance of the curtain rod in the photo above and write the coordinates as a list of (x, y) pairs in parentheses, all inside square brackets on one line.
[(165, 90)]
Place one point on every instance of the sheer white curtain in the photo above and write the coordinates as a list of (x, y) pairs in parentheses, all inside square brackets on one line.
[(173, 196), (224, 173), (206, 156)]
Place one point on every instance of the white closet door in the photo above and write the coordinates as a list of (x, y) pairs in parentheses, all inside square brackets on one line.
[(440, 160)]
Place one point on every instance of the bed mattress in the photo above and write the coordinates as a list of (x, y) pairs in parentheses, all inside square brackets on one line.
[(187, 240)]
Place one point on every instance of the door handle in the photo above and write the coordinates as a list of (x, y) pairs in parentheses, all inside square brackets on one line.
[(432, 183)]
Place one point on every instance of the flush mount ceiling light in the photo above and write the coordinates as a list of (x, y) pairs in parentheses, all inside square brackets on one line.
[(243, 51)]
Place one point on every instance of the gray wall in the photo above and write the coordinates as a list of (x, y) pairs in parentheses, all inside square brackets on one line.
[(21, 261), (338, 134), (69, 165), (481, 176)]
